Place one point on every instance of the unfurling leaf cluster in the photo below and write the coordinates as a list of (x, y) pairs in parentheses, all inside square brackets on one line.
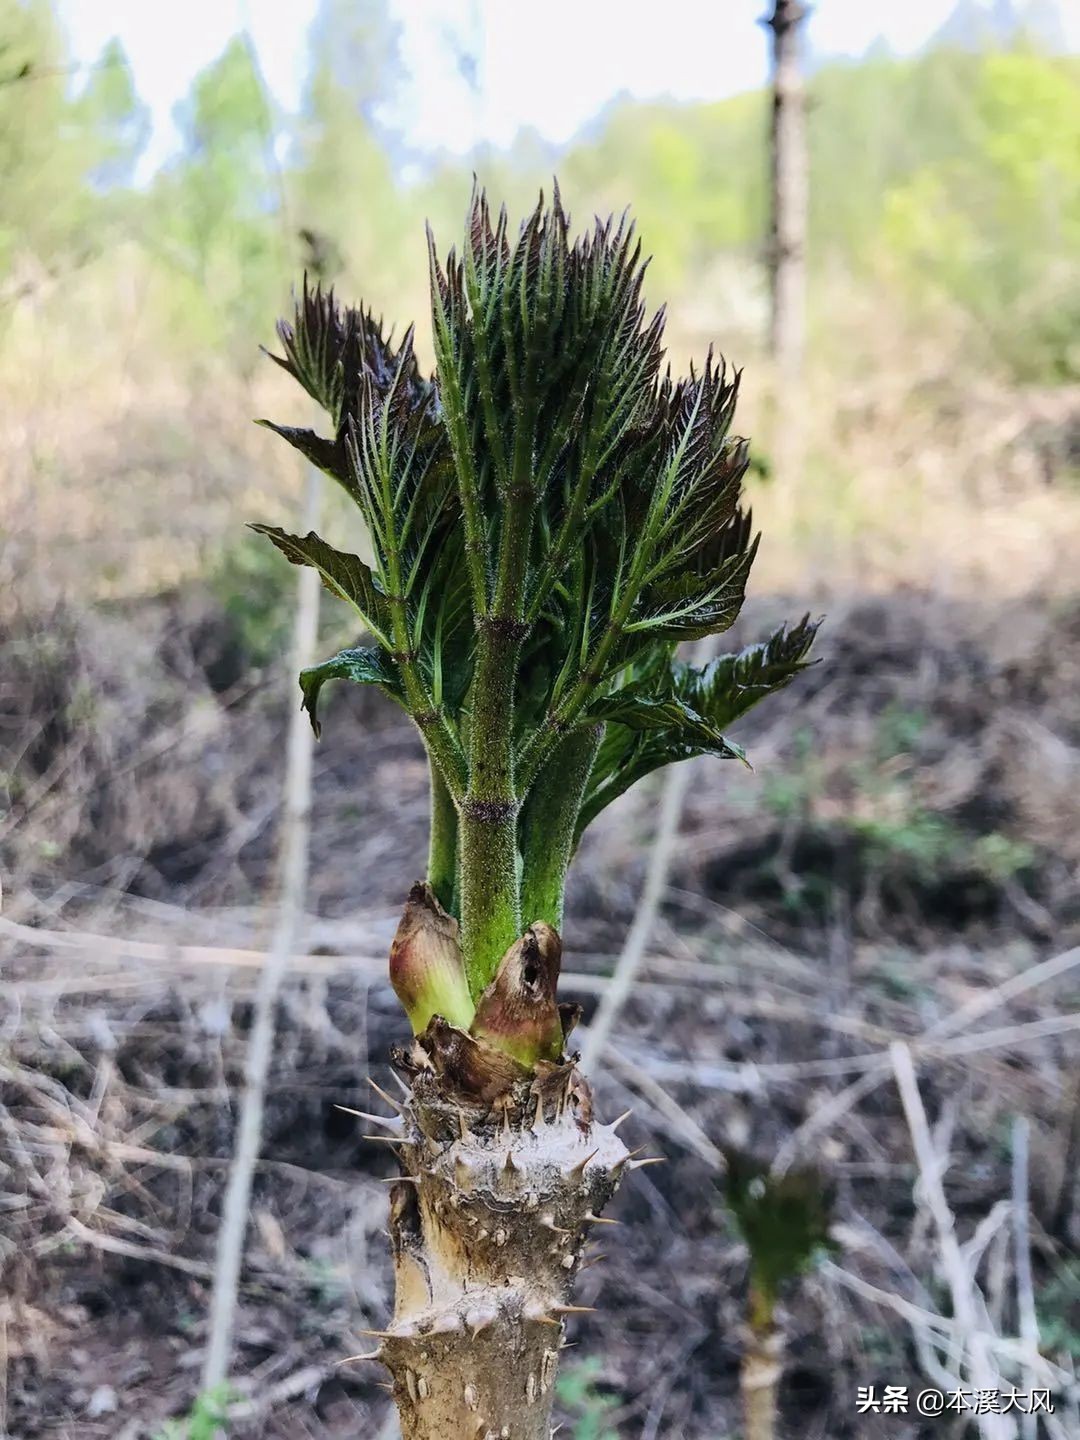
[(784, 1218), (549, 516)]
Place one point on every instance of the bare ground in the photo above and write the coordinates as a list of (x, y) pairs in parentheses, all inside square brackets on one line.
[(907, 843)]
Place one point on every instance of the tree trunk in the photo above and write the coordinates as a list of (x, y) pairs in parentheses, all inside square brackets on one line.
[(787, 242), (489, 1226)]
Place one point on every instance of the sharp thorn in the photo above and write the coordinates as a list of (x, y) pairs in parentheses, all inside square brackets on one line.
[(509, 1167), (632, 1153), (579, 1168), (394, 1104), (548, 1222), (591, 1219), (355, 1359), (593, 1260), (378, 1334), (387, 1140), (387, 1120), (463, 1130), (651, 1160), (399, 1180), (624, 1116), (400, 1084), (573, 1309), (506, 1121), (540, 1121), (546, 1320)]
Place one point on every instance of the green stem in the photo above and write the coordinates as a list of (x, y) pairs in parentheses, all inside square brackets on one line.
[(548, 823), (490, 912), (490, 902), (442, 848)]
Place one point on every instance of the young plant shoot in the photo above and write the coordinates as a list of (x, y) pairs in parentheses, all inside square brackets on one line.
[(784, 1220), (550, 515)]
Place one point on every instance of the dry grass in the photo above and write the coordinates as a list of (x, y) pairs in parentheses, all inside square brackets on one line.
[(787, 958)]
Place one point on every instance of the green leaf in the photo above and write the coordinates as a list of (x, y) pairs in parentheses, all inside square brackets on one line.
[(326, 455), (445, 624), (666, 714), (668, 711), (344, 575), (322, 349), (363, 666), (704, 596), (401, 473), (334, 354), (729, 686)]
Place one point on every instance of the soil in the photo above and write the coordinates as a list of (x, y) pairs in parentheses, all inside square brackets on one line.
[(907, 840)]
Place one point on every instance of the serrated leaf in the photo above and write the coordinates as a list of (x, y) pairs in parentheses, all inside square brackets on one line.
[(704, 596), (667, 714), (448, 638), (669, 711), (325, 454), (370, 666), (728, 686), (317, 343), (343, 574)]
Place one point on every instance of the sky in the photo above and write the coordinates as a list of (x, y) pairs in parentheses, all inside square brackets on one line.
[(528, 73)]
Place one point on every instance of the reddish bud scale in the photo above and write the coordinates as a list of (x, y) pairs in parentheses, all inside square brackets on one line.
[(518, 1012), (426, 970)]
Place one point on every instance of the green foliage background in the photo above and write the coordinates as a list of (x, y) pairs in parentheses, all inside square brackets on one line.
[(954, 176)]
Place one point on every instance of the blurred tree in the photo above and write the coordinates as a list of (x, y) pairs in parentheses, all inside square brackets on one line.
[(58, 151), (996, 225), (112, 114), (788, 189), (786, 249), (977, 24), (343, 180)]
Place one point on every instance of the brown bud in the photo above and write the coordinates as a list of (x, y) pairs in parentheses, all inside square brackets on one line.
[(570, 1013), (470, 1068), (518, 1013), (426, 969)]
